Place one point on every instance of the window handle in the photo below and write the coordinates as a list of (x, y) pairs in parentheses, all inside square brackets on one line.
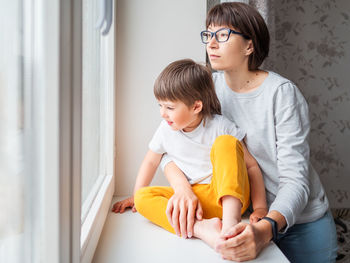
[(105, 15)]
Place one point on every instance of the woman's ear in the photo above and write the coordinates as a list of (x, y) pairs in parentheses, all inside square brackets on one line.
[(197, 106), (250, 47)]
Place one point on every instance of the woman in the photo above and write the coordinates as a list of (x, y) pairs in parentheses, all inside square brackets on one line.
[(274, 114)]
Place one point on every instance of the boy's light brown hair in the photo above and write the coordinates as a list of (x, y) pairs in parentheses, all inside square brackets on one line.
[(247, 20), (188, 81)]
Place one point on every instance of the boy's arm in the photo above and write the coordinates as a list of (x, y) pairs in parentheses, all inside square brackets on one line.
[(147, 169), (145, 175), (257, 187), (176, 177)]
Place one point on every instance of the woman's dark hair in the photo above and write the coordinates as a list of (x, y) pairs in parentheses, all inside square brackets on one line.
[(188, 81), (247, 20)]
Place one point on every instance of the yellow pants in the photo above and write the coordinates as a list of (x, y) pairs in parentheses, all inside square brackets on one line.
[(229, 178)]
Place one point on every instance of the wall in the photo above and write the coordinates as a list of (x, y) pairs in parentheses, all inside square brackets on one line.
[(150, 35)]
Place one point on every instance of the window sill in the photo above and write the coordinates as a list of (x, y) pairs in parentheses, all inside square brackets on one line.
[(129, 237), (93, 224)]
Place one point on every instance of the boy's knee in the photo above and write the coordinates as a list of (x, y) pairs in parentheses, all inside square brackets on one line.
[(226, 142)]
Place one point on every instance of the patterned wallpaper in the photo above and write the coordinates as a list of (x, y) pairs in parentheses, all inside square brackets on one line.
[(310, 45), (312, 48)]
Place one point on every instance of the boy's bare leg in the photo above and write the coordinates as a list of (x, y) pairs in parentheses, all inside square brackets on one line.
[(208, 230), (231, 212)]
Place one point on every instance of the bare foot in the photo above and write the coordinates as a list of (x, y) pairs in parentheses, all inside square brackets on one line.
[(208, 230)]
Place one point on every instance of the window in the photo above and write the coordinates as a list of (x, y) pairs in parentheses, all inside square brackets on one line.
[(12, 189), (97, 111), (97, 119), (92, 111), (56, 132), (29, 132)]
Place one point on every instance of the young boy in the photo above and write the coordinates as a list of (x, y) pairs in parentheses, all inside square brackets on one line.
[(208, 149)]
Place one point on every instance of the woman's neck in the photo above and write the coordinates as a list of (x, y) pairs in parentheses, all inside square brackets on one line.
[(243, 81)]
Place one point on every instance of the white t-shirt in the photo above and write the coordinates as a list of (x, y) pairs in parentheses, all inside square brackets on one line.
[(191, 150), (276, 120)]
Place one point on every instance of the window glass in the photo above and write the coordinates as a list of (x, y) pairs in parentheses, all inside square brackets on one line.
[(12, 192), (92, 103)]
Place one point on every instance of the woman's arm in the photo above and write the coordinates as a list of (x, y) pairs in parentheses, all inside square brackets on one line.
[(257, 187), (292, 127), (184, 206)]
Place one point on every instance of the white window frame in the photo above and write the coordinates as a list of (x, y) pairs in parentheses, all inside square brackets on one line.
[(70, 99)]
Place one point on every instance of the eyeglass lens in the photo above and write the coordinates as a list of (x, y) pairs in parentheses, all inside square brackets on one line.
[(221, 35)]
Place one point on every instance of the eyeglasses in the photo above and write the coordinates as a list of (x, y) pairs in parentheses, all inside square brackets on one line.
[(222, 35)]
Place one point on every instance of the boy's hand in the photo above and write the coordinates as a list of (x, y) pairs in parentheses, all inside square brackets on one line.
[(258, 214), (119, 207), (182, 210)]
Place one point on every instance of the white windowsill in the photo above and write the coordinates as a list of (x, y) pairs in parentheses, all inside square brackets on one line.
[(95, 219), (90, 200), (129, 237)]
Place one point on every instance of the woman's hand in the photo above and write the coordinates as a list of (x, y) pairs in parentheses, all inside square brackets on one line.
[(245, 241), (182, 210), (119, 207), (258, 214)]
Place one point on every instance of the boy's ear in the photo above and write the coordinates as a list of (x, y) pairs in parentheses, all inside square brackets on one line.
[(250, 47), (198, 106)]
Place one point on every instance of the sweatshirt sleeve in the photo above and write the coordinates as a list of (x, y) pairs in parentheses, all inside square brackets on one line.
[(292, 128)]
